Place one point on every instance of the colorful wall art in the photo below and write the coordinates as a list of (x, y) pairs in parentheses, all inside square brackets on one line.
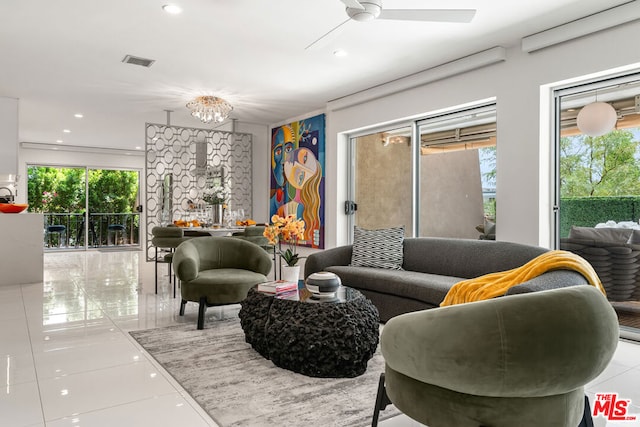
[(297, 175)]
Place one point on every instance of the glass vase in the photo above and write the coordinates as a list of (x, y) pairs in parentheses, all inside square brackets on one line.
[(217, 214)]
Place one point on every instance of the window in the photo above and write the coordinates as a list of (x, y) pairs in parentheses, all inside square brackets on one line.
[(443, 185)]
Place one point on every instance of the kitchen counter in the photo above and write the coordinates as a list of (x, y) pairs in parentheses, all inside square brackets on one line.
[(21, 248)]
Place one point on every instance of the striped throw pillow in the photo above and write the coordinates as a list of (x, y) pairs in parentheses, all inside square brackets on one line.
[(378, 248)]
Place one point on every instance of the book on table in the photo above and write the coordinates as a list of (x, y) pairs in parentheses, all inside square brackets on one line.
[(290, 295), (277, 287)]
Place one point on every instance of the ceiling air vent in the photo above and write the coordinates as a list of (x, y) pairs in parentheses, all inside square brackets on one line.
[(136, 60)]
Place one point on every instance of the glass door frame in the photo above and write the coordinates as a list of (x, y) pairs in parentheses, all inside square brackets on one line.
[(414, 124), (557, 93), (351, 173)]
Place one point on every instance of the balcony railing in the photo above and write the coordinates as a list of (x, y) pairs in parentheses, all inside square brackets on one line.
[(68, 230)]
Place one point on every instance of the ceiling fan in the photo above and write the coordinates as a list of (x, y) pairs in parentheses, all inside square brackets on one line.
[(368, 10)]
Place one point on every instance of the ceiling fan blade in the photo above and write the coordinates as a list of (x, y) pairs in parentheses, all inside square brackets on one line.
[(355, 4), (327, 37), (432, 15)]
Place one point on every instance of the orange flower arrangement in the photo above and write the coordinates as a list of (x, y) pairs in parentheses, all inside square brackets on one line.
[(288, 230)]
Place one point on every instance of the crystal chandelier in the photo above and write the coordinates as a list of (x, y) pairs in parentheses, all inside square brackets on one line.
[(210, 109)]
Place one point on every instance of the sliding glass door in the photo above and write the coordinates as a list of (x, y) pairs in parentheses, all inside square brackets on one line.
[(598, 189), (85, 208), (457, 174)]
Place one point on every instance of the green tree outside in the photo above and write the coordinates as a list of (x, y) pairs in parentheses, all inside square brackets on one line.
[(62, 190), (112, 191), (55, 190), (606, 165)]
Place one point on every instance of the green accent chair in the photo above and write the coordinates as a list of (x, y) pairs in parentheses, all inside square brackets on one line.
[(166, 240), (520, 360), (218, 271), (255, 234)]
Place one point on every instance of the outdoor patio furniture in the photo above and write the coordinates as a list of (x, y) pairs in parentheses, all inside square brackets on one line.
[(56, 229), (115, 229)]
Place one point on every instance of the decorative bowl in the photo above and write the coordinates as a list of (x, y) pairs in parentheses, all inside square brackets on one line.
[(323, 284), (13, 207)]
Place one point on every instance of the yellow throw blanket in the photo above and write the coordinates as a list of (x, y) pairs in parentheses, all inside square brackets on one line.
[(497, 284)]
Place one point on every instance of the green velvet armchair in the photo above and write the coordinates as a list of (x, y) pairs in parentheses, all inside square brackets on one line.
[(218, 271), (520, 360)]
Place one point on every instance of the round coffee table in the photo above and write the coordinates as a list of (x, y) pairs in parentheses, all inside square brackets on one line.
[(318, 338)]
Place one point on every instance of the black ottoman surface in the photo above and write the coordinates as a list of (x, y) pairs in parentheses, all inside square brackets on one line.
[(319, 338)]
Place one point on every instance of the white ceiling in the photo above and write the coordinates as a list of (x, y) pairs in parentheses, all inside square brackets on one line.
[(63, 57)]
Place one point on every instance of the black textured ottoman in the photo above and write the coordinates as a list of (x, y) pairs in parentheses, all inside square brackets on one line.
[(319, 339)]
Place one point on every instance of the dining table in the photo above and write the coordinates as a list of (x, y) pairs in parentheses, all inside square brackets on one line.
[(212, 231)]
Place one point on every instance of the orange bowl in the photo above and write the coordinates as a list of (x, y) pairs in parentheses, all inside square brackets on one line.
[(13, 207)]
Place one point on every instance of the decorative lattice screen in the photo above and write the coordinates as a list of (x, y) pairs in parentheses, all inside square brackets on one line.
[(181, 162)]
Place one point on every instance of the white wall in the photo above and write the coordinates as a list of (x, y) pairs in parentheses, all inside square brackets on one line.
[(523, 147), (8, 135)]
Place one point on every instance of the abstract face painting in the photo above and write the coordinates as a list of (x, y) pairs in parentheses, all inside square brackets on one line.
[(297, 175)]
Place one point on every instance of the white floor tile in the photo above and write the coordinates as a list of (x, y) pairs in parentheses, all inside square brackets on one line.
[(170, 411), (14, 336), (16, 368), (100, 389), (20, 405), (82, 357)]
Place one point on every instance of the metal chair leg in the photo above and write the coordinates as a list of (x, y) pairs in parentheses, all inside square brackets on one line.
[(156, 265), (182, 304), (201, 311), (382, 401), (587, 419)]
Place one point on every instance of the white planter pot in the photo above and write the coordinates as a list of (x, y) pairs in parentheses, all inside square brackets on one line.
[(290, 274)]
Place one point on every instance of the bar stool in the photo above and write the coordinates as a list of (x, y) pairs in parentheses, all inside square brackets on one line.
[(115, 229), (58, 229)]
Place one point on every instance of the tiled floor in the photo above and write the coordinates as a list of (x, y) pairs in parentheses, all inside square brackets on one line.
[(66, 358)]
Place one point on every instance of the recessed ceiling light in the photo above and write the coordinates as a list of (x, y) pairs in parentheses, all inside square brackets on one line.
[(340, 53), (66, 131), (78, 115), (138, 148), (173, 9), (59, 141)]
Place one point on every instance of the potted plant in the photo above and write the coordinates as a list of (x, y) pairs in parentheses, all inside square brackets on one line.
[(288, 230)]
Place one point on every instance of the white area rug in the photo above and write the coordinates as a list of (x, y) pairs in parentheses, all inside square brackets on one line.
[(238, 387)]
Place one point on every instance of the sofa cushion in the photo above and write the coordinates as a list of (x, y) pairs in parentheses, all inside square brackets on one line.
[(425, 287), (634, 238), (619, 235), (378, 248)]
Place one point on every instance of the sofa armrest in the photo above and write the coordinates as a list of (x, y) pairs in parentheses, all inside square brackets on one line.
[(319, 261)]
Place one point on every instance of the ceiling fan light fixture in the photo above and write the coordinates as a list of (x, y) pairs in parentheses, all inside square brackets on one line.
[(371, 10)]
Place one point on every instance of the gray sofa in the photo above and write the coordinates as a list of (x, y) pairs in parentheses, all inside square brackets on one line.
[(430, 267)]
